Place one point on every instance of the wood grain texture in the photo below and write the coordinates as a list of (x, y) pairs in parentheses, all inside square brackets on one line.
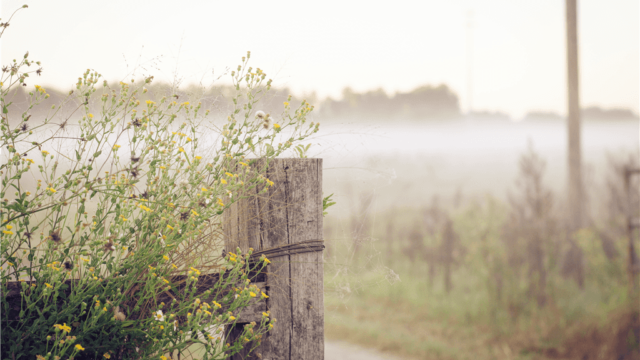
[(289, 212)]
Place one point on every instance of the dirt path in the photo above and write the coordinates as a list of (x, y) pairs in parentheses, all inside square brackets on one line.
[(338, 350)]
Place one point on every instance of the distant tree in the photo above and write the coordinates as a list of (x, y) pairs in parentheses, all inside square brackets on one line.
[(598, 113), (542, 116), (428, 102)]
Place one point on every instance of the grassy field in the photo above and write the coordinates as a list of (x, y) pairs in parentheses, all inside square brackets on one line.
[(385, 290)]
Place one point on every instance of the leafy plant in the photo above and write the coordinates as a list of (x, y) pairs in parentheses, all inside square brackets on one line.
[(326, 203), (301, 150), (108, 205)]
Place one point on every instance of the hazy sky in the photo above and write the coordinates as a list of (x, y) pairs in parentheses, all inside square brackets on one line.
[(518, 62)]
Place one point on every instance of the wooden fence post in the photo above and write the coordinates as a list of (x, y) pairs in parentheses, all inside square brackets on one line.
[(289, 213)]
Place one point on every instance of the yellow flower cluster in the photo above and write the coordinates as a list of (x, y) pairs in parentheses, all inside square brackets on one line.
[(64, 327), (53, 265)]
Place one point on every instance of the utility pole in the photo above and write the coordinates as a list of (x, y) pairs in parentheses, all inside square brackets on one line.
[(470, 62), (573, 120)]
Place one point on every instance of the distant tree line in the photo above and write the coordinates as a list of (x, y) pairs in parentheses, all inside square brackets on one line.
[(424, 102), (588, 113)]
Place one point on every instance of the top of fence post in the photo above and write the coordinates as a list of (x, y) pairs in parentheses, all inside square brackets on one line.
[(289, 213)]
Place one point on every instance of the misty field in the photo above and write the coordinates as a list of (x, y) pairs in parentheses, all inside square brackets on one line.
[(423, 262)]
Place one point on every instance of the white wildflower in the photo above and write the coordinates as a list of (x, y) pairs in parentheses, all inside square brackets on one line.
[(159, 315)]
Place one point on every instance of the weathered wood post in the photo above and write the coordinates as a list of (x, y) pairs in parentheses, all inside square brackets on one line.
[(286, 224)]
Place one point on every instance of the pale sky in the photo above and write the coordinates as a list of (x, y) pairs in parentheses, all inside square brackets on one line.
[(518, 62)]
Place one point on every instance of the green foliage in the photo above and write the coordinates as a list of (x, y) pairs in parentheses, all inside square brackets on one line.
[(520, 283), (117, 204), (326, 203), (301, 150)]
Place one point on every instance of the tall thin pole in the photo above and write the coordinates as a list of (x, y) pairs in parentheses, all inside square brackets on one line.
[(470, 62), (573, 121)]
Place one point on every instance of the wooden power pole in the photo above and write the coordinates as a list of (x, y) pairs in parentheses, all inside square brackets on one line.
[(575, 190)]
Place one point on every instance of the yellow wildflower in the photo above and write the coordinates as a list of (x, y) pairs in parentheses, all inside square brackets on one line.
[(149, 102), (174, 266), (228, 174), (195, 213), (45, 152), (48, 285), (198, 157), (185, 103), (108, 356), (243, 164), (79, 347), (180, 149), (252, 294), (189, 139), (165, 257), (232, 318), (276, 126), (7, 232), (265, 296), (223, 181), (64, 327), (204, 189), (9, 227), (52, 190), (116, 147), (169, 227), (90, 116), (265, 314)]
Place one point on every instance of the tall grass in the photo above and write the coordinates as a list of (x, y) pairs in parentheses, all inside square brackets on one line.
[(489, 279)]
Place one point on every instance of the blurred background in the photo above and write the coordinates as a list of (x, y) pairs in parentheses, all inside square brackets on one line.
[(459, 231)]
